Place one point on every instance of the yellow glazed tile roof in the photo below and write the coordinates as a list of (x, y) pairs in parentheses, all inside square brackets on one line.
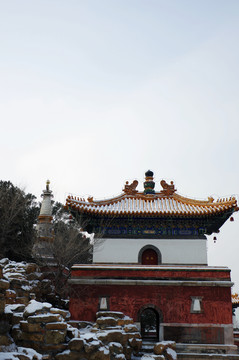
[(164, 203), (235, 299)]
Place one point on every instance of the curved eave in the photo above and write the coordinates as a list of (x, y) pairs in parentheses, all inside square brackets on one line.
[(212, 211), (153, 205)]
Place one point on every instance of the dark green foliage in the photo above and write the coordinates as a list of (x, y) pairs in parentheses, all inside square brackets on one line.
[(18, 216)]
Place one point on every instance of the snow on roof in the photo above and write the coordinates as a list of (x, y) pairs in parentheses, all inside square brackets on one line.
[(153, 205)]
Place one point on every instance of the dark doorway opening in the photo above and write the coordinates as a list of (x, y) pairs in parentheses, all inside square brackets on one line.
[(149, 320), (149, 257)]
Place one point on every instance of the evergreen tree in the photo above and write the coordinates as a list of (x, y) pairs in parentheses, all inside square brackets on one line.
[(18, 217)]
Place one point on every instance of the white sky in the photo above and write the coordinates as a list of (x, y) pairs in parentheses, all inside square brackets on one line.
[(96, 92)]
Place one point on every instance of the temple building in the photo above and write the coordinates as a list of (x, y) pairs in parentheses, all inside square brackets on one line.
[(150, 262)]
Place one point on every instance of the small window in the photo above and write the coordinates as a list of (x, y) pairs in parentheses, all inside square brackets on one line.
[(196, 305), (103, 303)]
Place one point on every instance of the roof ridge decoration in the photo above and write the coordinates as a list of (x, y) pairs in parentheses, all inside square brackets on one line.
[(168, 189), (149, 183), (150, 203), (130, 189)]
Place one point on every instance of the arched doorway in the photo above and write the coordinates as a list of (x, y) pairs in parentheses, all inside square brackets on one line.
[(149, 320), (149, 257)]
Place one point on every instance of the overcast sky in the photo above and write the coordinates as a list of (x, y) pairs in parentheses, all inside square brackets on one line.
[(96, 92)]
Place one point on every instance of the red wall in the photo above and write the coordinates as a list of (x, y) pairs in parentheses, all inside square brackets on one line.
[(173, 301), (114, 272)]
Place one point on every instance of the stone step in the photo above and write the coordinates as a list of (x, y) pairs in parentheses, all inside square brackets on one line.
[(195, 356), (216, 351), (148, 346)]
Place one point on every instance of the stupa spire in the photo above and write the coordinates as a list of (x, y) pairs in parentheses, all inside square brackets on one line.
[(44, 226)]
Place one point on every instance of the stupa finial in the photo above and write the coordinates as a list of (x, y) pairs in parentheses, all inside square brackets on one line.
[(47, 185)]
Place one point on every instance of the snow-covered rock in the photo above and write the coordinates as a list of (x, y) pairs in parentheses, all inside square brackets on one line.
[(36, 307), (20, 353), (166, 349)]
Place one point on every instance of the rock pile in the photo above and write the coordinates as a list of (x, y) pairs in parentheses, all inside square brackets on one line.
[(41, 327), (5, 339), (48, 330), (24, 279), (4, 285), (113, 336), (31, 328), (8, 348)]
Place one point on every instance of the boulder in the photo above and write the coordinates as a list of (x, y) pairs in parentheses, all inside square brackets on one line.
[(136, 344), (56, 326), (55, 336), (76, 344), (16, 318), (128, 352), (2, 303), (69, 355), (65, 314), (113, 336), (5, 340), (31, 268), (170, 354), (72, 332), (159, 348), (119, 357), (130, 328), (125, 321), (32, 337), (101, 354), (30, 327), (44, 318), (167, 349), (36, 307), (4, 284), (105, 322), (115, 348), (114, 314), (10, 296), (92, 346)]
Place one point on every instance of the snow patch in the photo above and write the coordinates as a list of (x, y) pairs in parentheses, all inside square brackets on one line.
[(34, 306), (105, 350), (9, 309), (74, 331), (172, 353), (32, 354)]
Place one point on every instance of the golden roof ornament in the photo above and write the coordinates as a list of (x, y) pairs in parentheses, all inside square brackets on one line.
[(130, 189), (149, 184), (168, 189)]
